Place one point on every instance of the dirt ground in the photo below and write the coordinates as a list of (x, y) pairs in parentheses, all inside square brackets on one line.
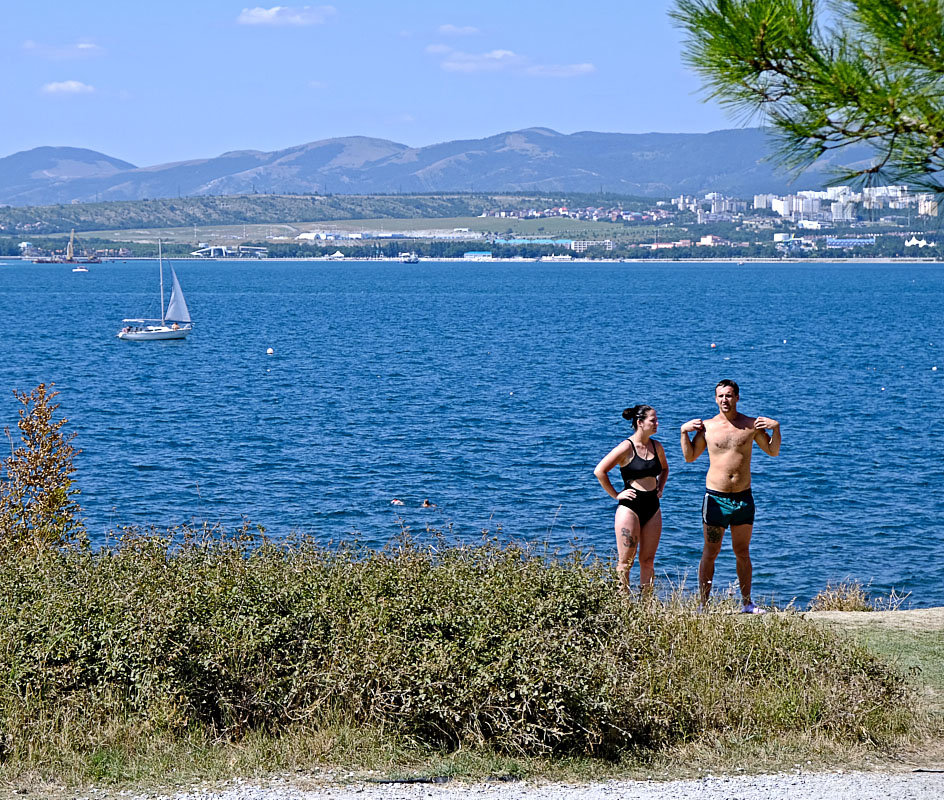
[(917, 619)]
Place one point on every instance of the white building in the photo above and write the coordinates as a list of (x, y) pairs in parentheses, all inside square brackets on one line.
[(927, 205), (842, 211), (763, 201)]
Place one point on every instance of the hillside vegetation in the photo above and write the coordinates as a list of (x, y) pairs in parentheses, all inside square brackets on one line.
[(262, 209)]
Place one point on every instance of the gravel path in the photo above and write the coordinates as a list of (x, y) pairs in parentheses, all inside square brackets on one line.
[(823, 786)]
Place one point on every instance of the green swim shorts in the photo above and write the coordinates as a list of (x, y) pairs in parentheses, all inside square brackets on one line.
[(722, 509)]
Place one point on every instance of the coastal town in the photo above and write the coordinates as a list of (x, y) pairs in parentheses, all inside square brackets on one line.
[(837, 218), (838, 222)]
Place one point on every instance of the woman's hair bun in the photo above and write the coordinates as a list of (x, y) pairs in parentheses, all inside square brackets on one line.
[(636, 413)]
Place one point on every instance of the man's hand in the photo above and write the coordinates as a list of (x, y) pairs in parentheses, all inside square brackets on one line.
[(693, 425), (763, 423)]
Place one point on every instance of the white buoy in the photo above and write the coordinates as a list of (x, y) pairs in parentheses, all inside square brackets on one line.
[(270, 352), (784, 341), (883, 388), (933, 369)]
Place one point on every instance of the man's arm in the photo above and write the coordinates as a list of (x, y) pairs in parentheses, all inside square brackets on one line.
[(694, 447), (769, 443)]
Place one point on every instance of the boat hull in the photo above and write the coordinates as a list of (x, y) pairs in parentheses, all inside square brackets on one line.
[(155, 333)]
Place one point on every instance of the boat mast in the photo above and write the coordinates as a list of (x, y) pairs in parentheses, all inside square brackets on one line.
[(160, 267)]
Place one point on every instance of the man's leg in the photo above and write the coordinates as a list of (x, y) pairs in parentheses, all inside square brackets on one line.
[(714, 534), (741, 543)]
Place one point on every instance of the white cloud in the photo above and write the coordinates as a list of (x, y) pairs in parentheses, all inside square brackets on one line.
[(296, 16), (504, 61), (492, 61), (317, 85), (458, 30), (68, 87), (62, 52), (560, 70)]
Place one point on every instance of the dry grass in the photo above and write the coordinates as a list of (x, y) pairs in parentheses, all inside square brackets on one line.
[(852, 595)]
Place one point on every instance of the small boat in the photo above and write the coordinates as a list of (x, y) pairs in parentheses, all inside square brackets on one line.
[(80, 268), (175, 322), (409, 258)]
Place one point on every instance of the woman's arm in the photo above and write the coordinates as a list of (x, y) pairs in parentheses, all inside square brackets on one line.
[(607, 463), (664, 475)]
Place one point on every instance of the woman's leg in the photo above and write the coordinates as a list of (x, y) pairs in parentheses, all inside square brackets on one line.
[(649, 536), (627, 540)]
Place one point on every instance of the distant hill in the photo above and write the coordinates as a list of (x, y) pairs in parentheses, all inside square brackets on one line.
[(36, 173), (534, 159)]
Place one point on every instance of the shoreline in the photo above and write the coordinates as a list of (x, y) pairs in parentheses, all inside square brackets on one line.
[(580, 261)]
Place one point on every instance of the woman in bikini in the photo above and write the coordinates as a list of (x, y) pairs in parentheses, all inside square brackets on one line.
[(642, 464)]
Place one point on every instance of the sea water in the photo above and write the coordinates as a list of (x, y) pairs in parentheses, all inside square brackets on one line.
[(493, 389)]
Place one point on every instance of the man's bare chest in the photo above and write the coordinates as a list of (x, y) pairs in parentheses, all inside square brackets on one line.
[(729, 438)]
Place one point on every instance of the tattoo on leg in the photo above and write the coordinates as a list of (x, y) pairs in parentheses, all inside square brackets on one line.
[(628, 539), (715, 534)]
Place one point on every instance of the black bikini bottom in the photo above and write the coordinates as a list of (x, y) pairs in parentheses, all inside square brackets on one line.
[(644, 505)]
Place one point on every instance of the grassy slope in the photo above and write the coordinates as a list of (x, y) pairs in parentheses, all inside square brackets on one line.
[(914, 640)]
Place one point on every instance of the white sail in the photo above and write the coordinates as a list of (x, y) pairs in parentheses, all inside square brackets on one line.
[(177, 310)]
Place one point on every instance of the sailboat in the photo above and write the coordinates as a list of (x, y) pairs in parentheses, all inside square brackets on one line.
[(175, 322)]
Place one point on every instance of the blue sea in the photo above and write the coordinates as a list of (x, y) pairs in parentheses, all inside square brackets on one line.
[(493, 389)]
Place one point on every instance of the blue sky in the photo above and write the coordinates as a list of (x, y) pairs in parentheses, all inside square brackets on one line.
[(158, 82)]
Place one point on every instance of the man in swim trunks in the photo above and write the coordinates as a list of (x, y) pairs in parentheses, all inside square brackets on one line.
[(729, 438)]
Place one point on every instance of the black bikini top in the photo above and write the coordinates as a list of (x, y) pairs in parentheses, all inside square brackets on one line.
[(641, 467)]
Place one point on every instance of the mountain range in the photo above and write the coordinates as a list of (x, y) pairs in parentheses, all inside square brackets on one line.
[(734, 162)]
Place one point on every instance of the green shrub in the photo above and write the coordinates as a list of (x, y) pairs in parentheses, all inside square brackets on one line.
[(38, 508), (193, 631)]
